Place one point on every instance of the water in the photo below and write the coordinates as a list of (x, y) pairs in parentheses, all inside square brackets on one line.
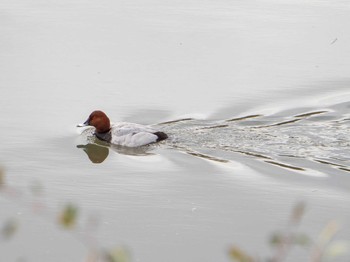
[(254, 95)]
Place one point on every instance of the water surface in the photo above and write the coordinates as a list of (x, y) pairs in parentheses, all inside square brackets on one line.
[(254, 95)]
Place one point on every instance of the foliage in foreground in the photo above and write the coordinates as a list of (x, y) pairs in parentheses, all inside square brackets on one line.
[(67, 218), (324, 247), (282, 242)]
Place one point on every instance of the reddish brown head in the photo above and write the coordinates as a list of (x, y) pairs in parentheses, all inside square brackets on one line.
[(99, 120)]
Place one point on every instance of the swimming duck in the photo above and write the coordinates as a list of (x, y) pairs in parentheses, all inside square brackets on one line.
[(122, 133)]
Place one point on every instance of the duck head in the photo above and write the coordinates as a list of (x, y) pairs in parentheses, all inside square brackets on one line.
[(99, 120)]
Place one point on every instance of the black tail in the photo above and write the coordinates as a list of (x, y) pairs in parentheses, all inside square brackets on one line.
[(161, 136)]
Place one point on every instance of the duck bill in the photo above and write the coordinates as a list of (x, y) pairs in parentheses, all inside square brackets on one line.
[(86, 123)]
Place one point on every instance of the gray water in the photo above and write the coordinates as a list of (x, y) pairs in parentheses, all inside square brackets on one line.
[(255, 96)]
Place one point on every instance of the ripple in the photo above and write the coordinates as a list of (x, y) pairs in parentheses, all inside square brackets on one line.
[(319, 136)]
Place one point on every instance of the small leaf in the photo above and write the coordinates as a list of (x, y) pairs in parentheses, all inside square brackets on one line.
[(117, 255), (276, 239), (237, 254), (36, 188), (68, 216), (328, 232), (302, 240), (9, 228), (337, 248), (298, 212), (2, 178)]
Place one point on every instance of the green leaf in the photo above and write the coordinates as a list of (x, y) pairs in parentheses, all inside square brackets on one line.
[(237, 254), (9, 228), (36, 188), (276, 239), (302, 240), (68, 216), (337, 248), (117, 254), (2, 178)]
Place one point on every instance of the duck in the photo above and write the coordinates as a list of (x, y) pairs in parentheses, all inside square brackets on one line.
[(122, 133)]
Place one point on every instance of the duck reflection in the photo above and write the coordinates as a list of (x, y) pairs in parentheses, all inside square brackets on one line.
[(98, 151)]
